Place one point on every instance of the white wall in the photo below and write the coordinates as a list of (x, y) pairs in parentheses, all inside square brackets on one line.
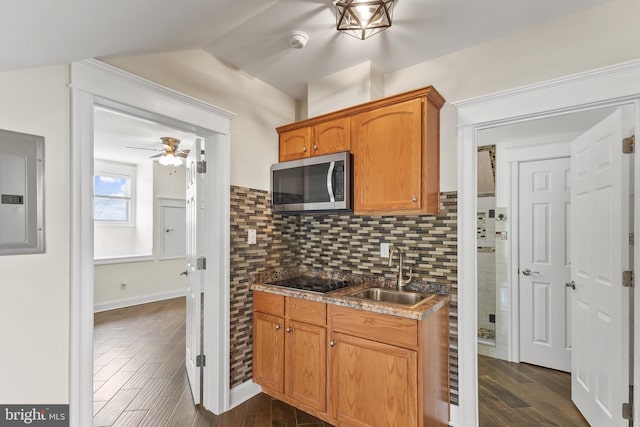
[(152, 279), (600, 36), (260, 108), (34, 289)]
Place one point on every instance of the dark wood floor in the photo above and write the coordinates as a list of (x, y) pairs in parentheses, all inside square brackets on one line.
[(140, 378), (518, 394)]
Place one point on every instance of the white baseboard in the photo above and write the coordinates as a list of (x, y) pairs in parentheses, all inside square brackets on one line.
[(243, 392), (453, 415), (142, 299)]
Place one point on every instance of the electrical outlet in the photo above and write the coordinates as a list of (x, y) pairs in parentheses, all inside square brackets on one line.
[(251, 236), (123, 284), (384, 250)]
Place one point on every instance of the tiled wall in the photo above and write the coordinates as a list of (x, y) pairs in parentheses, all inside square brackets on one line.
[(334, 242)]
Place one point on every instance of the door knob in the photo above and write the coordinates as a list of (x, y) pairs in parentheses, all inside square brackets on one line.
[(528, 272), (571, 285)]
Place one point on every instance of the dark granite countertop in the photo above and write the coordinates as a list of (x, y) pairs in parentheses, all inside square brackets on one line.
[(341, 296)]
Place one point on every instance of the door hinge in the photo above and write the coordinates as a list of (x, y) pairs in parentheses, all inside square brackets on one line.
[(627, 411), (629, 145), (202, 166), (201, 263), (201, 361), (627, 279)]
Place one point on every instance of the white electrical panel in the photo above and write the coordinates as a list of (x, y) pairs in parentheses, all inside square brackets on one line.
[(21, 193)]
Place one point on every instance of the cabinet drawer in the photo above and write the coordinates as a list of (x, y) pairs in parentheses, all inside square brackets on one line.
[(268, 303), (311, 312), (378, 327)]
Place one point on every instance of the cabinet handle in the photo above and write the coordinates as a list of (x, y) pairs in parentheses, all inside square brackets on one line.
[(289, 329), (414, 199), (304, 149), (332, 343), (315, 147), (278, 327)]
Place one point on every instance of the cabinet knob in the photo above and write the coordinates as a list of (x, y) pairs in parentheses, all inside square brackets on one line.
[(289, 329), (304, 149), (332, 343), (315, 147), (414, 199), (278, 327)]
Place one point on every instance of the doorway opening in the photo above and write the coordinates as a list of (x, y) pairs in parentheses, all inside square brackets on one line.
[(94, 83)]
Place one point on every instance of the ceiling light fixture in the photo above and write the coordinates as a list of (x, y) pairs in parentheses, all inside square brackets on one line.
[(170, 160), (363, 18)]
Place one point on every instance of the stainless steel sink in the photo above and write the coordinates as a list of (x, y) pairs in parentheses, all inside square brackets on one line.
[(392, 296)]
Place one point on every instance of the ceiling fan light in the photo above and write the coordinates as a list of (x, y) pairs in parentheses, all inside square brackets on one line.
[(363, 18), (170, 160)]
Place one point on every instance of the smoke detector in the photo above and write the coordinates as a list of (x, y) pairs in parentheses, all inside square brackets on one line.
[(298, 39)]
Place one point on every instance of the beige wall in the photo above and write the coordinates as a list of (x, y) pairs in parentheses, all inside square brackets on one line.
[(146, 279), (594, 38), (34, 289), (259, 107)]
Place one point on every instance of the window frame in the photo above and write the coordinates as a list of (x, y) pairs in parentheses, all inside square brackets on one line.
[(116, 170)]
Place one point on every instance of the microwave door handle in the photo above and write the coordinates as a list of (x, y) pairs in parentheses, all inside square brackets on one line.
[(332, 197)]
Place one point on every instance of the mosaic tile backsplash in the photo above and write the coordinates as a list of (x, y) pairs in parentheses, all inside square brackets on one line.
[(336, 243)]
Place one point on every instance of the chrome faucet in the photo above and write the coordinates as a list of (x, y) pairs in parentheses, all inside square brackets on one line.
[(401, 280)]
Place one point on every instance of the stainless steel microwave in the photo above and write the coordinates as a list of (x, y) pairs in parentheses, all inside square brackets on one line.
[(321, 183)]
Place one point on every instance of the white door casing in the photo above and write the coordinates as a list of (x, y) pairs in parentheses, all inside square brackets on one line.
[(544, 255), (94, 82), (600, 253), (195, 276)]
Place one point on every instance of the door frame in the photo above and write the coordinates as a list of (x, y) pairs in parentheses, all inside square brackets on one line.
[(608, 86), (96, 83)]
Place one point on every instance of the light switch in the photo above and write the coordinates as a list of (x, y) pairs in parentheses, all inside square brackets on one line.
[(251, 236)]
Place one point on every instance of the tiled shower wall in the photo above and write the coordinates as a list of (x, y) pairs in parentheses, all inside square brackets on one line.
[(334, 242)]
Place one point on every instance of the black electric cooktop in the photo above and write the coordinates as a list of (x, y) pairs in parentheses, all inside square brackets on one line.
[(311, 284)]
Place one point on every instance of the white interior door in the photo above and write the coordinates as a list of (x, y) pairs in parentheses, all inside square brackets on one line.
[(544, 209), (195, 276), (600, 253)]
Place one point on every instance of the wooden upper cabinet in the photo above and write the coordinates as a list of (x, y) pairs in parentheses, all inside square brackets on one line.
[(387, 151), (295, 144), (331, 137), (395, 143)]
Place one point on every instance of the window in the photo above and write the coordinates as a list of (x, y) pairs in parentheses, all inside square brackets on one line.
[(114, 193)]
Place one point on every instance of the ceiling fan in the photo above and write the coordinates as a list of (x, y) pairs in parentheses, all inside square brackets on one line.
[(171, 155)]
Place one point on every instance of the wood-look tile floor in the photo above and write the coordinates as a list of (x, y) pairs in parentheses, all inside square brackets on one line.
[(519, 394), (140, 378)]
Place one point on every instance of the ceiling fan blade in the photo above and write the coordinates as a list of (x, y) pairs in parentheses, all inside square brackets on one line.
[(157, 155), (144, 148), (182, 154)]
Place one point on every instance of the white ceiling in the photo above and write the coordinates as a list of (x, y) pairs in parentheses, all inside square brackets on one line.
[(252, 34), (115, 134)]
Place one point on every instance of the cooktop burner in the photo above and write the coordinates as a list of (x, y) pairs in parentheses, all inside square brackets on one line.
[(311, 284)]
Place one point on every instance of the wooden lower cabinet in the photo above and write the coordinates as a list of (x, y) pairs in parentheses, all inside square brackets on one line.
[(372, 384), (370, 369), (290, 355)]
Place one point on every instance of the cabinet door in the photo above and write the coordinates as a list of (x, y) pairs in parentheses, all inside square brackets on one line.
[(268, 351), (294, 144), (372, 384), (387, 144), (331, 137), (306, 363)]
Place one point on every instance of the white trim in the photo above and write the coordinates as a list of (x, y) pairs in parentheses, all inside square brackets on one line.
[(122, 259), (453, 416), (171, 202), (142, 299), (606, 86), (93, 82), (243, 392)]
